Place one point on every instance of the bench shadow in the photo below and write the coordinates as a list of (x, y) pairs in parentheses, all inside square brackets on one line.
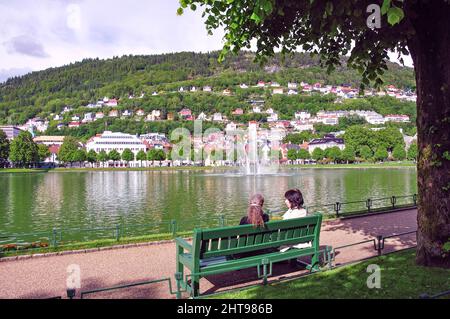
[(247, 277)]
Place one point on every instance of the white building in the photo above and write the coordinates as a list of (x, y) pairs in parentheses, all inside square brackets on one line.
[(49, 140), (88, 117), (109, 141), (302, 115), (327, 142), (397, 118)]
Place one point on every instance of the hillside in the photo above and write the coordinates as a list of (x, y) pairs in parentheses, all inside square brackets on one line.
[(45, 92)]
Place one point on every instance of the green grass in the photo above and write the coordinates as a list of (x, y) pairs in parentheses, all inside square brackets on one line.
[(201, 168), (94, 244), (400, 278)]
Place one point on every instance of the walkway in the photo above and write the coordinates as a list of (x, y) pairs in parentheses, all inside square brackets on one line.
[(46, 277)]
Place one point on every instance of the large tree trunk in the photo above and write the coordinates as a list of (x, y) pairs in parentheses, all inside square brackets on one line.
[(430, 50)]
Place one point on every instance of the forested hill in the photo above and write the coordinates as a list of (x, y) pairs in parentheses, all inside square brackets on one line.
[(84, 82)]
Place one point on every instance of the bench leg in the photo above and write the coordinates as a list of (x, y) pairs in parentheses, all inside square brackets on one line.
[(195, 284), (179, 275), (314, 263)]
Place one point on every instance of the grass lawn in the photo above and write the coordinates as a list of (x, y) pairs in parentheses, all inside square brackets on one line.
[(94, 244), (400, 278)]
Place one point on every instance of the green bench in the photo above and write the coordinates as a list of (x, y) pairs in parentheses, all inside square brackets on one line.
[(213, 251)]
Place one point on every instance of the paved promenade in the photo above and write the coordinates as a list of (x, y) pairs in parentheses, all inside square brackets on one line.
[(46, 277)]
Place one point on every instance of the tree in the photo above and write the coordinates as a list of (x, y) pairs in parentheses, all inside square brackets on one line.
[(303, 154), (102, 157), (156, 155), (141, 156), (331, 29), (412, 152), (4, 149), (348, 154), (23, 150), (365, 153), (318, 154), (381, 154), (43, 152), (399, 153), (114, 156), (92, 157), (80, 156), (67, 152), (127, 155), (333, 153), (292, 154)]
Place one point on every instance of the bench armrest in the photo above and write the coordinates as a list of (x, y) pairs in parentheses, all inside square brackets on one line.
[(181, 242)]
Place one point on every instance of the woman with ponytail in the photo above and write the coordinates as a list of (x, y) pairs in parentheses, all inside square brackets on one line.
[(255, 214)]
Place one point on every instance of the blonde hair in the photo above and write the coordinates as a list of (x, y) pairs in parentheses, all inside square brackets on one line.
[(255, 212)]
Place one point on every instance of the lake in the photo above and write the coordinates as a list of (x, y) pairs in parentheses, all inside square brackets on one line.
[(42, 201)]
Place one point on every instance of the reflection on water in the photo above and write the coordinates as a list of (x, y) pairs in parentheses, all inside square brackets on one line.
[(32, 202)]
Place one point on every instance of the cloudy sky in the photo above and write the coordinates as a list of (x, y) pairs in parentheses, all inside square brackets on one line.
[(35, 35)]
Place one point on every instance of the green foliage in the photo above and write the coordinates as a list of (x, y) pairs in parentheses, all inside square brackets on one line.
[(43, 152), (114, 155), (412, 152), (92, 156), (399, 153), (381, 154), (303, 154), (365, 152), (292, 154), (318, 154), (348, 154), (333, 153), (141, 156), (102, 157), (320, 27), (80, 156), (156, 155), (127, 155), (23, 150), (4, 149), (299, 138), (68, 151)]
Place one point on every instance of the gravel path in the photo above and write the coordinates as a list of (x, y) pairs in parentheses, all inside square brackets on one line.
[(46, 277)]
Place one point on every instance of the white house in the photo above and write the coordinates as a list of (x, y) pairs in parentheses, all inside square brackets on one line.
[(326, 142), (217, 117), (302, 115)]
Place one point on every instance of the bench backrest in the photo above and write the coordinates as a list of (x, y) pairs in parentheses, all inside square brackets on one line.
[(218, 242)]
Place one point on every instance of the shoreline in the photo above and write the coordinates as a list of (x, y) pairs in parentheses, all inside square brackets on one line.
[(203, 168)]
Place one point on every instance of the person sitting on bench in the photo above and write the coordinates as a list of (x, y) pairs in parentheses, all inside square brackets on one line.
[(255, 214), (294, 202)]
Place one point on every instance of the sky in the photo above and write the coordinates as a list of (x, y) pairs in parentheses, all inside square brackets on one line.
[(36, 35)]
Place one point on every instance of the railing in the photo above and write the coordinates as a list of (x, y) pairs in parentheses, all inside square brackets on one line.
[(60, 238)]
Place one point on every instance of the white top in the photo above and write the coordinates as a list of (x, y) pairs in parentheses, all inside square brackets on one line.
[(291, 214), (295, 213)]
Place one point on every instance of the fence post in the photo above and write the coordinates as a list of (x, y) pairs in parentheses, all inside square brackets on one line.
[(379, 246), (368, 204), (337, 208), (117, 232), (393, 201), (54, 240), (173, 226), (221, 221)]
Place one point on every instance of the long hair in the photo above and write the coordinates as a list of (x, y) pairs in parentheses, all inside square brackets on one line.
[(255, 212), (295, 197)]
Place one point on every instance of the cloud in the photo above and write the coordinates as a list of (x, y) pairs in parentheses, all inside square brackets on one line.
[(5, 74), (26, 45)]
